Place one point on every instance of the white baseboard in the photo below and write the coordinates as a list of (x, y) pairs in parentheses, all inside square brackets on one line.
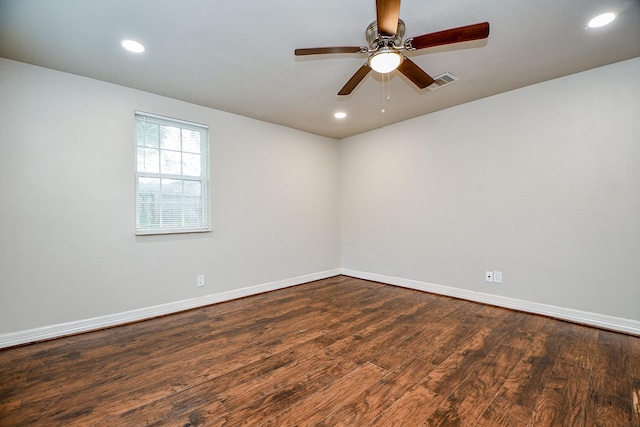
[(583, 317), (59, 330), (54, 331)]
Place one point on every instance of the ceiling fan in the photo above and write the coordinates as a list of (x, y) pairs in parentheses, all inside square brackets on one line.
[(384, 36)]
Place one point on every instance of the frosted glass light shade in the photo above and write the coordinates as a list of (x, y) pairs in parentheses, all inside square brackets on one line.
[(385, 61)]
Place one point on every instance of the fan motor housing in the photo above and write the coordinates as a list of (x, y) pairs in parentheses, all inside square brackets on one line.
[(376, 41)]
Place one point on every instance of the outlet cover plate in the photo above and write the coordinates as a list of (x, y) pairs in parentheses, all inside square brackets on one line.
[(497, 276)]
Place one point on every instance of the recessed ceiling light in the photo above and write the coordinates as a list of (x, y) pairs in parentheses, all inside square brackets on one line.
[(340, 115), (601, 20), (133, 46)]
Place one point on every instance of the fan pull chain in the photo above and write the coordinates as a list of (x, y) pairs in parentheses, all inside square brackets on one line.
[(388, 88), (382, 92)]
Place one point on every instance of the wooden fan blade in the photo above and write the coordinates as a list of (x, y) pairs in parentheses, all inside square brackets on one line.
[(414, 73), (453, 35), (355, 79), (388, 13), (323, 50)]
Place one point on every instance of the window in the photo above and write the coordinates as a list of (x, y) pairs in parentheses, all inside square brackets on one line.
[(172, 170)]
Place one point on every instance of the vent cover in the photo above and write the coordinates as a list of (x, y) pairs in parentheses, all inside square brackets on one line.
[(442, 80)]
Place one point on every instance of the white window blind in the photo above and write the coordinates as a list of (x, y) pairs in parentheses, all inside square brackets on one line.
[(172, 170)]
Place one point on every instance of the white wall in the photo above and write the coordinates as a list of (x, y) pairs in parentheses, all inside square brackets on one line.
[(541, 183), (67, 246)]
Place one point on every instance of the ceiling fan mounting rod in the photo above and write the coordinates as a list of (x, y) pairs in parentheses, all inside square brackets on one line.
[(375, 39)]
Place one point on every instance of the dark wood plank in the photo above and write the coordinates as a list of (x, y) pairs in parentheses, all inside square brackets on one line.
[(362, 409), (339, 351), (411, 409), (606, 410), (466, 404), (562, 403), (401, 326), (303, 385), (528, 379), (611, 366), (579, 343), (610, 396), (312, 409), (503, 413), (412, 345), (634, 377), (463, 360), (289, 376), (442, 346), (181, 404)]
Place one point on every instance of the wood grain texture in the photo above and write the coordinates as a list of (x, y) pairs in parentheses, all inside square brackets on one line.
[(503, 413), (413, 72), (472, 397), (563, 401), (411, 409), (529, 377), (634, 378), (362, 409), (610, 388), (335, 352), (387, 15), (357, 77), (313, 409)]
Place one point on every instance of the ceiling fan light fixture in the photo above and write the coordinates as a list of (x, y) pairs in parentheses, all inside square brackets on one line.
[(385, 61)]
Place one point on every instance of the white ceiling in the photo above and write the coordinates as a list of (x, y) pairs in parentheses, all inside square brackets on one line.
[(237, 55)]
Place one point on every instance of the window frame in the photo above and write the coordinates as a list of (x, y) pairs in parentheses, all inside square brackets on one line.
[(205, 161)]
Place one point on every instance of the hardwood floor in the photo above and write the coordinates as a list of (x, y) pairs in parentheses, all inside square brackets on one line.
[(336, 352)]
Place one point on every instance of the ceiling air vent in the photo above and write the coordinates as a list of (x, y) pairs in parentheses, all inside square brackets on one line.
[(442, 80)]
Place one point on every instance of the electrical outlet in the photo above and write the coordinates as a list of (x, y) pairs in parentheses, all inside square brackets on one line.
[(488, 276), (497, 276), (200, 280)]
